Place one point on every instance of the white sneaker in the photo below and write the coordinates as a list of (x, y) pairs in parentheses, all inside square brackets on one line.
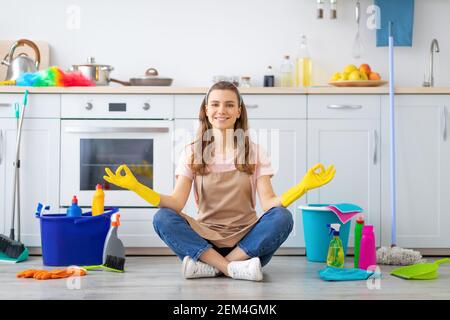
[(197, 269), (246, 270)]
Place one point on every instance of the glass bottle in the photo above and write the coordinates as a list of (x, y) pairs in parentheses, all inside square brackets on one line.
[(303, 69), (269, 78), (319, 9), (286, 72), (333, 9), (245, 82)]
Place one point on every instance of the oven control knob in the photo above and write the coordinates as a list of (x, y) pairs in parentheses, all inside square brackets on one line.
[(89, 106), (146, 106)]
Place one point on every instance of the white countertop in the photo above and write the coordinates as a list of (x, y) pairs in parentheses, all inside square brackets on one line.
[(202, 90)]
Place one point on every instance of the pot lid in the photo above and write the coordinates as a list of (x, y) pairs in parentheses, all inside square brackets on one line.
[(151, 73), (91, 62)]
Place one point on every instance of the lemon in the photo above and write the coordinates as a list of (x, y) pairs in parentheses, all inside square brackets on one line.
[(344, 76), (355, 75), (350, 68), (364, 76), (336, 76)]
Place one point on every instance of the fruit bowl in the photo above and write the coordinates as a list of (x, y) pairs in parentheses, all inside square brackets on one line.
[(358, 83)]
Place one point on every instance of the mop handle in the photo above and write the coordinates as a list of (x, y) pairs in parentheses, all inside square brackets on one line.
[(392, 137)]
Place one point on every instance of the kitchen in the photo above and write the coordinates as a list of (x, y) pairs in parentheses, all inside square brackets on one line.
[(194, 44)]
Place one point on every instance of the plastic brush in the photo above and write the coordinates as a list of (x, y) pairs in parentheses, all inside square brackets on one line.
[(113, 251)]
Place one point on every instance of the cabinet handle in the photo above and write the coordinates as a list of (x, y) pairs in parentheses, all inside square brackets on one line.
[(115, 129), (1, 146), (375, 146), (344, 106), (251, 106), (6, 105), (444, 117)]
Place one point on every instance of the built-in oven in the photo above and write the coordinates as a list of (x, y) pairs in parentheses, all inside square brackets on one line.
[(102, 131)]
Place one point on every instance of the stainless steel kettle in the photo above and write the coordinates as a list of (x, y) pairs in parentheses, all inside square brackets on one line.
[(21, 63)]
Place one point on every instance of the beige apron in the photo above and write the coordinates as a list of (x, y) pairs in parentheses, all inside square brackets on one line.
[(226, 213)]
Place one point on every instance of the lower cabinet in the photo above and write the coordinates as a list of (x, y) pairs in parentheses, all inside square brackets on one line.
[(422, 127), (39, 172), (352, 146)]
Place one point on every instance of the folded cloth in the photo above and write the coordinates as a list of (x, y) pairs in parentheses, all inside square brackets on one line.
[(341, 274), (401, 13), (345, 211)]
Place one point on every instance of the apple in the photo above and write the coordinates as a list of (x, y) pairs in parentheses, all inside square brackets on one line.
[(365, 68)]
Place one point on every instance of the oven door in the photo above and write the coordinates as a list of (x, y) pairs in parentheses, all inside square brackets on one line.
[(89, 146)]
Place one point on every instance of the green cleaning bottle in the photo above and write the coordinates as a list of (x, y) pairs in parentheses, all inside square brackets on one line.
[(358, 234), (335, 256)]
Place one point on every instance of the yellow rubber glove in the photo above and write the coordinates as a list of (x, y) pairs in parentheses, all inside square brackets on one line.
[(311, 180), (129, 181)]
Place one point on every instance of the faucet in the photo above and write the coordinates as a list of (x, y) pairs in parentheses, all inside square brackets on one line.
[(433, 48)]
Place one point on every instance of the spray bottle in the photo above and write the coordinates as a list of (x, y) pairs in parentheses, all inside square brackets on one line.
[(358, 234), (335, 256)]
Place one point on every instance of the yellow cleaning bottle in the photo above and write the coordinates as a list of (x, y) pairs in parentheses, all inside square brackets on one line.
[(98, 201)]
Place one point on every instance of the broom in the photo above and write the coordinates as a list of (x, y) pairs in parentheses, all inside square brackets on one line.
[(394, 255), (11, 249)]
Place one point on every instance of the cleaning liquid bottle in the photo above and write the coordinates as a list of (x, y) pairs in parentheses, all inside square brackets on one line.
[(335, 256), (98, 201), (74, 210), (303, 69), (286, 72), (367, 250), (358, 234)]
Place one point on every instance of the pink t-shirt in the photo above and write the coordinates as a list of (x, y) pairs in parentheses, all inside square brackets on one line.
[(223, 163)]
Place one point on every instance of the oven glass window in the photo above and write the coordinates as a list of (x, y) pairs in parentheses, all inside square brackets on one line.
[(97, 154)]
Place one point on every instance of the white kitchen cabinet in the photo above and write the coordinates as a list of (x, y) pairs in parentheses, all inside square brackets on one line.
[(7, 128), (39, 172), (352, 146), (423, 171)]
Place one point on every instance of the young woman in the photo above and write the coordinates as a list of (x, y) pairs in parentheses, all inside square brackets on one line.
[(226, 169)]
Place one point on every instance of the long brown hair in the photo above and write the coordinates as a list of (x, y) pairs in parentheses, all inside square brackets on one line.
[(199, 144)]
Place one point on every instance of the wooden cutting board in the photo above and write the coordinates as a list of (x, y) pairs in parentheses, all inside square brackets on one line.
[(44, 50)]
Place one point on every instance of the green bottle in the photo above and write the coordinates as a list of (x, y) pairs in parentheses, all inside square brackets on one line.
[(335, 256), (358, 234)]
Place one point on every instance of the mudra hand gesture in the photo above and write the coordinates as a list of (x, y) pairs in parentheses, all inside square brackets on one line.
[(311, 180), (129, 181)]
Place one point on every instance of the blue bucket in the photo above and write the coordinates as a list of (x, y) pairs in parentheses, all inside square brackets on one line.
[(317, 238), (74, 240)]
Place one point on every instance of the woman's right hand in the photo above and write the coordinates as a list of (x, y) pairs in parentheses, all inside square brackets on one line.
[(127, 181)]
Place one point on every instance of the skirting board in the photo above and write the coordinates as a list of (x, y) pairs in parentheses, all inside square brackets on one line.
[(280, 252)]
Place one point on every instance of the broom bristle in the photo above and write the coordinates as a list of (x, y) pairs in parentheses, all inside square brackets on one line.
[(11, 248), (113, 262)]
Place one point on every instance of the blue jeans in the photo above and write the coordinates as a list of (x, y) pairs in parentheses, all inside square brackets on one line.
[(261, 241)]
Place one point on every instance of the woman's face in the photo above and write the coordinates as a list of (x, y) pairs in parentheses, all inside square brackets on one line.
[(223, 109)]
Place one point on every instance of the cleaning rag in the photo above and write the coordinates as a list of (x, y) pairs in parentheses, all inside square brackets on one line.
[(401, 13), (345, 211), (342, 274)]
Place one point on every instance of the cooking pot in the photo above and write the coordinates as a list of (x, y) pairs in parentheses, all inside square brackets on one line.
[(98, 73), (150, 79), (22, 63)]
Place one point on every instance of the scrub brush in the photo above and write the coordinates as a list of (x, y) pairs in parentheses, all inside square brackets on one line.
[(114, 251)]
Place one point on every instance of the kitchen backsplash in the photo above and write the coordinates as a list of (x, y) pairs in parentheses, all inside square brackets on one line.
[(191, 41)]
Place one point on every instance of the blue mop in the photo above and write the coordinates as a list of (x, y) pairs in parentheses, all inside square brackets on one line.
[(394, 255)]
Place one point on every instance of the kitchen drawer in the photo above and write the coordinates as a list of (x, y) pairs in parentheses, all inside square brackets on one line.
[(114, 106), (343, 107), (39, 105), (258, 106)]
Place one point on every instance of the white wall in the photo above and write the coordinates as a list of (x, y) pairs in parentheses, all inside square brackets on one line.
[(191, 41)]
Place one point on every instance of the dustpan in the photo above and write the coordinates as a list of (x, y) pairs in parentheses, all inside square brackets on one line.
[(421, 271)]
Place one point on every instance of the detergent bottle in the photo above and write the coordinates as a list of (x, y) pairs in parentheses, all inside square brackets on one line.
[(74, 210), (367, 251), (98, 201), (358, 234), (335, 256)]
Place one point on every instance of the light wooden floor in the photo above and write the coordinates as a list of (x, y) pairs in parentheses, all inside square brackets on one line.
[(159, 277)]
